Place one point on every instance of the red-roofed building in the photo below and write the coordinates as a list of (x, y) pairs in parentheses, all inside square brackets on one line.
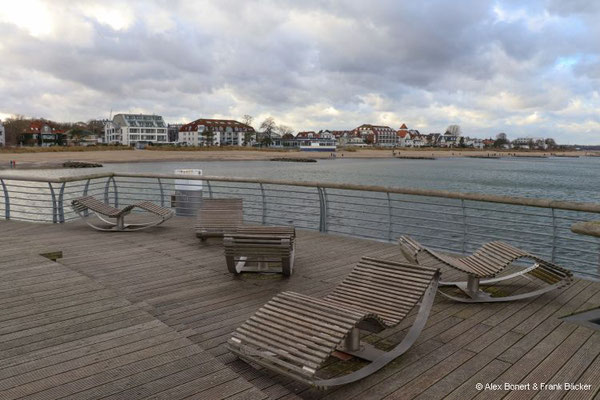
[(488, 142), (403, 136), (216, 132), (42, 133), (378, 135)]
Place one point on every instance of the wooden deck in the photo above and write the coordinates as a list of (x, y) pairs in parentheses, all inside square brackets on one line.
[(146, 315)]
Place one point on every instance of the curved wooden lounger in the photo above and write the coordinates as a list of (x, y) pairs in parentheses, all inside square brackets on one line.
[(294, 334), (260, 249), (103, 211), (217, 216), (486, 262)]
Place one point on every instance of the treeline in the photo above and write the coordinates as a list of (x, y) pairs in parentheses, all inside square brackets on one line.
[(16, 125)]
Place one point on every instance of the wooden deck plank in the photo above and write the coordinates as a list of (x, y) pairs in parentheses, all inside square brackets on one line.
[(85, 315), (89, 342)]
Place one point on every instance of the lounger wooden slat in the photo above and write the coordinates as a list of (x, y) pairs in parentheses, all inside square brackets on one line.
[(294, 334), (487, 262), (82, 205)]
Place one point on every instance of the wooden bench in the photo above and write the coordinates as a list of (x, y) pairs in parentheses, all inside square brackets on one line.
[(260, 249), (295, 334), (486, 262)]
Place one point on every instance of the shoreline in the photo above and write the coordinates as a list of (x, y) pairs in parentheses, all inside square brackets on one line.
[(53, 160)]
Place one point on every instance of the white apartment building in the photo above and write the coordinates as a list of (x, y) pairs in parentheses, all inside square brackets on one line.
[(214, 132), (129, 129), (2, 135)]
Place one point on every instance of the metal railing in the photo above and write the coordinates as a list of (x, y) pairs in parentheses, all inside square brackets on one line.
[(451, 221)]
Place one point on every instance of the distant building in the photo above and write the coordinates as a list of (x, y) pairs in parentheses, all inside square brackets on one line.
[(378, 135), (173, 132), (308, 135), (490, 142), (43, 134), (530, 143), (327, 134), (216, 132), (343, 138), (473, 142), (409, 137), (131, 129), (312, 141), (2, 135), (80, 135), (448, 139)]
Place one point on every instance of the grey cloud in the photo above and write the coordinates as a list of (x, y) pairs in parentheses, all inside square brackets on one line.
[(285, 57)]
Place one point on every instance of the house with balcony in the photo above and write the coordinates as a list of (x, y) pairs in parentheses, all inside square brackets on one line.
[(134, 129), (448, 139), (216, 132), (42, 133)]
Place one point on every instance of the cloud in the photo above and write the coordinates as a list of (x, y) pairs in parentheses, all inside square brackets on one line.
[(490, 66)]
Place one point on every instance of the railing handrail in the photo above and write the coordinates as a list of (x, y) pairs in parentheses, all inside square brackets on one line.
[(489, 198)]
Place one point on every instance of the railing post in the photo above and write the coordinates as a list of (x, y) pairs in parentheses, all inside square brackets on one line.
[(322, 209), (162, 193), (210, 193), (6, 200), (106, 189), (464, 221), (554, 234), (389, 202), (86, 188), (54, 204), (61, 205), (264, 204)]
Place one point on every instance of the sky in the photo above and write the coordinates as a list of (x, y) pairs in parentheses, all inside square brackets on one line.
[(525, 68)]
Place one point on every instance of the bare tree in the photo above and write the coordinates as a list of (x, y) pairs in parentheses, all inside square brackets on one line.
[(285, 130), (454, 130), (248, 134), (267, 127), (247, 119), (14, 126)]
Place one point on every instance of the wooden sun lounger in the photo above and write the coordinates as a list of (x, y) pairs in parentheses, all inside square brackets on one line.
[(487, 262), (260, 249), (104, 211), (217, 216), (294, 334)]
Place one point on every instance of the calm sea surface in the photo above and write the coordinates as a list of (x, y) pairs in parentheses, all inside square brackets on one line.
[(576, 179)]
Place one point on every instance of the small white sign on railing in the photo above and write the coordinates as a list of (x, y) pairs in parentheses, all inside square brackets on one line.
[(187, 184)]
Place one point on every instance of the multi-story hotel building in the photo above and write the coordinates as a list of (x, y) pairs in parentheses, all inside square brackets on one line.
[(129, 129), (377, 135), (214, 132)]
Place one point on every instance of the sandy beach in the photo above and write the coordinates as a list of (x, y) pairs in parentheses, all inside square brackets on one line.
[(55, 159)]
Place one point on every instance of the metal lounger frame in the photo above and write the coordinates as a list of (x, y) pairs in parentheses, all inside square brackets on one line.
[(119, 225), (415, 252), (350, 343)]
